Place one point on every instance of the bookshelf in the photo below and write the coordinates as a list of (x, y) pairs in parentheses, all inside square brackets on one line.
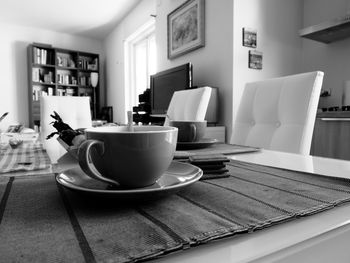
[(60, 72)]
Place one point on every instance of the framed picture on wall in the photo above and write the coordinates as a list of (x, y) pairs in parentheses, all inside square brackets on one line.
[(255, 59), (186, 28), (249, 37)]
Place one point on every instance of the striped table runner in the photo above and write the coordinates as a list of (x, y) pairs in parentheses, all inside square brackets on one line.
[(27, 157), (40, 221)]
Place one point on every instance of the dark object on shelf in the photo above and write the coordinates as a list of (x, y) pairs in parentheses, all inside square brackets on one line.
[(142, 112), (336, 108), (325, 93), (146, 107), (146, 96), (345, 108), (106, 114)]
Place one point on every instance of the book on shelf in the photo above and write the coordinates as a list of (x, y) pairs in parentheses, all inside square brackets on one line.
[(50, 91), (61, 92), (41, 56), (38, 55), (69, 92), (48, 78), (65, 79), (38, 92), (35, 75), (82, 81)]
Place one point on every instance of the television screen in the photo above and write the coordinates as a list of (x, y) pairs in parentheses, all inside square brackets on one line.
[(165, 83)]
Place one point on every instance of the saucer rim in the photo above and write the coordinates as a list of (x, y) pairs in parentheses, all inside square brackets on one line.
[(136, 191)]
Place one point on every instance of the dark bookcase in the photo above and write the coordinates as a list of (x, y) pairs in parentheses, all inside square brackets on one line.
[(60, 72)]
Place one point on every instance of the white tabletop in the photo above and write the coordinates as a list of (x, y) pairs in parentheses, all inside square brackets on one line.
[(323, 237)]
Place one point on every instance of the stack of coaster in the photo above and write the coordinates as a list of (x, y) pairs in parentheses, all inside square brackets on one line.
[(213, 165)]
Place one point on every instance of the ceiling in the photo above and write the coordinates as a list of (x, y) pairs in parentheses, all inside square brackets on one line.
[(90, 18)]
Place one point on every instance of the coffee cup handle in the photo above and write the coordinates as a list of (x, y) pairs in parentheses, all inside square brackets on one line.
[(193, 132), (85, 161)]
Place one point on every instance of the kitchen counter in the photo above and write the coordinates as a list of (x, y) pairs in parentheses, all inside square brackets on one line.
[(333, 114)]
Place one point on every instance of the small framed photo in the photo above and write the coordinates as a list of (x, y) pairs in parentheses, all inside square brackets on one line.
[(249, 37), (186, 28), (255, 59)]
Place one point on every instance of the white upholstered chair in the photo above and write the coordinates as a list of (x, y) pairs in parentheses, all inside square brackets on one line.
[(190, 104), (75, 111), (279, 114)]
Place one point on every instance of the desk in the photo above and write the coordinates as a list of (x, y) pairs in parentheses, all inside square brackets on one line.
[(319, 238)]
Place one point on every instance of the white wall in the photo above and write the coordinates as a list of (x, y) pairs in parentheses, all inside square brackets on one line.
[(277, 23), (114, 47), (212, 64), (223, 61), (13, 66), (333, 58)]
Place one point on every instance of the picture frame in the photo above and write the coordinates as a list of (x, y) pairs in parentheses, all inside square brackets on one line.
[(249, 37), (255, 59), (186, 28)]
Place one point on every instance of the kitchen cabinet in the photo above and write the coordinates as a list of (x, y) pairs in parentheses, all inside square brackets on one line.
[(331, 136)]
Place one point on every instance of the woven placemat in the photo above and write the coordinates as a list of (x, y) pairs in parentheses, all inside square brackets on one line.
[(43, 222)]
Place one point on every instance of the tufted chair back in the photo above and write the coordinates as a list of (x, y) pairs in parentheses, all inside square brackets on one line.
[(75, 111), (190, 104), (279, 114)]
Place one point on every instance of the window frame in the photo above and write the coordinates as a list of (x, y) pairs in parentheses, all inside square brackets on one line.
[(142, 33)]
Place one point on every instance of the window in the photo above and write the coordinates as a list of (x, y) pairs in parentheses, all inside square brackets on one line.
[(140, 62)]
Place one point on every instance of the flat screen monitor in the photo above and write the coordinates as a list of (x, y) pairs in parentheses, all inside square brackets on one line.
[(165, 83)]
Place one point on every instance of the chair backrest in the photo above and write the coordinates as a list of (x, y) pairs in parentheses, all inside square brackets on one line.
[(75, 111), (279, 114), (190, 104)]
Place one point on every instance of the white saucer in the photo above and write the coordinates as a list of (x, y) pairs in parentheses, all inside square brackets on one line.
[(178, 176), (203, 143)]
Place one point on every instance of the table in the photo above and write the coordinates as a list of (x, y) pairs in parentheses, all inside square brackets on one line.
[(319, 238)]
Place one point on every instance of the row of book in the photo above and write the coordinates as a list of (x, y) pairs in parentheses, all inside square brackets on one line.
[(38, 92), (38, 75), (65, 92), (66, 79), (84, 63), (84, 80), (43, 56)]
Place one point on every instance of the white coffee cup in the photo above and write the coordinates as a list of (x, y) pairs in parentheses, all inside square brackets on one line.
[(132, 159)]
